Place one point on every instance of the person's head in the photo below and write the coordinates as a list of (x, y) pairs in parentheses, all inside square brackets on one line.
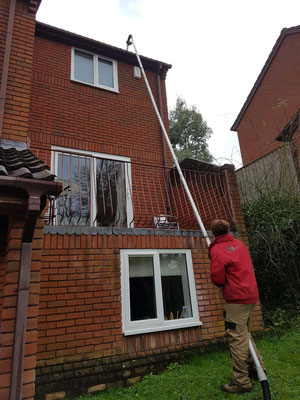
[(219, 227)]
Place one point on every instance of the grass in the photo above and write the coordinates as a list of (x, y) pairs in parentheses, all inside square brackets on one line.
[(202, 376)]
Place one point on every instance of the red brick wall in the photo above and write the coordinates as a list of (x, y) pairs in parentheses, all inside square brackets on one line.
[(80, 326), (277, 99), (9, 300), (74, 115), (80, 303), (80, 310), (4, 8), (16, 113), (15, 127), (2, 277)]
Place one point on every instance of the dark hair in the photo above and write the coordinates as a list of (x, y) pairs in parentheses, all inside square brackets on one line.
[(219, 227)]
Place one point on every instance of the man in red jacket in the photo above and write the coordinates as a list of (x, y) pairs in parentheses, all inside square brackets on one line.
[(232, 270)]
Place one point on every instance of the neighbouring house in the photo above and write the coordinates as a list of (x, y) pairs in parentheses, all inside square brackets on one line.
[(268, 123), (104, 274), (270, 112)]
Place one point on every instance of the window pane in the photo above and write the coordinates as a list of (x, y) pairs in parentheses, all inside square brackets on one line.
[(83, 67), (142, 288), (73, 205), (105, 72), (175, 286), (111, 193)]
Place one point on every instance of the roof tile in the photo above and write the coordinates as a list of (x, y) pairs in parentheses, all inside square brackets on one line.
[(23, 164)]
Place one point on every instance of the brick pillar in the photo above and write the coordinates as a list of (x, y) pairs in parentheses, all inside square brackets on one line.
[(235, 203), (17, 98), (242, 233), (8, 314)]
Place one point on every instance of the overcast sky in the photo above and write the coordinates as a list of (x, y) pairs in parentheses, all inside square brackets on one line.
[(217, 47)]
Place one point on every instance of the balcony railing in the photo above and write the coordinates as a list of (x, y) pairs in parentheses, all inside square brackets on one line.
[(117, 193)]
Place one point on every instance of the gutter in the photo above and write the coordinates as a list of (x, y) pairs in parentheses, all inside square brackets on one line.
[(73, 39), (35, 189)]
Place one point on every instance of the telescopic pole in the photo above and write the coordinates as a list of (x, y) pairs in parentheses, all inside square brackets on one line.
[(261, 375), (187, 190)]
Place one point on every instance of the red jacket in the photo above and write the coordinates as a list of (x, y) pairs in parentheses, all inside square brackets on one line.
[(231, 268)]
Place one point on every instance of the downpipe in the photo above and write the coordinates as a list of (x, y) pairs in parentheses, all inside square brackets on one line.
[(260, 372)]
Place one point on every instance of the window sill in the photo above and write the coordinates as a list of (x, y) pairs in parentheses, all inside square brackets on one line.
[(106, 88), (139, 331)]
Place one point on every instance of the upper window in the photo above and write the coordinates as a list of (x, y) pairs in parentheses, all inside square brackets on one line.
[(94, 70), (96, 189), (158, 291)]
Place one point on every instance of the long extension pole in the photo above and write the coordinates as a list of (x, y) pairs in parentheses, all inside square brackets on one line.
[(129, 42), (261, 375)]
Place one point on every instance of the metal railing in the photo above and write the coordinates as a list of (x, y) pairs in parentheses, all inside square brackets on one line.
[(113, 192)]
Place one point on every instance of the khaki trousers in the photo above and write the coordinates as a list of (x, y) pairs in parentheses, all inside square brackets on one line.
[(237, 325)]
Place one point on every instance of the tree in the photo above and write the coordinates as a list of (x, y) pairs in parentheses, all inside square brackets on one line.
[(189, 133)]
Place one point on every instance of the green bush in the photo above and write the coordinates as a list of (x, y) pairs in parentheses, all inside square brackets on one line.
[(273, 227)]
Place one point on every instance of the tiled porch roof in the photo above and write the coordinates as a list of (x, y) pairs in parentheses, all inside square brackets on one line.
[(22, 163)]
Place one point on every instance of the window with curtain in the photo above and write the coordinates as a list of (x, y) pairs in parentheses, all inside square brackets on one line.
[(158, 290)]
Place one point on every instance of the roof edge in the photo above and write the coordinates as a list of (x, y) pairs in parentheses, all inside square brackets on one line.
[(284, 32), (73, 39), (203, 166), (33, 6)]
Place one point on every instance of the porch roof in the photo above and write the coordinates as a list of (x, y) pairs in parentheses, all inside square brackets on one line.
[(17, 161)]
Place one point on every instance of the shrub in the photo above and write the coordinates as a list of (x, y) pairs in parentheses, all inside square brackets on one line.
[(273, 227)]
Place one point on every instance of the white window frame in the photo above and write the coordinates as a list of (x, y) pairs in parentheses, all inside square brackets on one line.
[(55, 150), (95, 63), (156, 324)]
